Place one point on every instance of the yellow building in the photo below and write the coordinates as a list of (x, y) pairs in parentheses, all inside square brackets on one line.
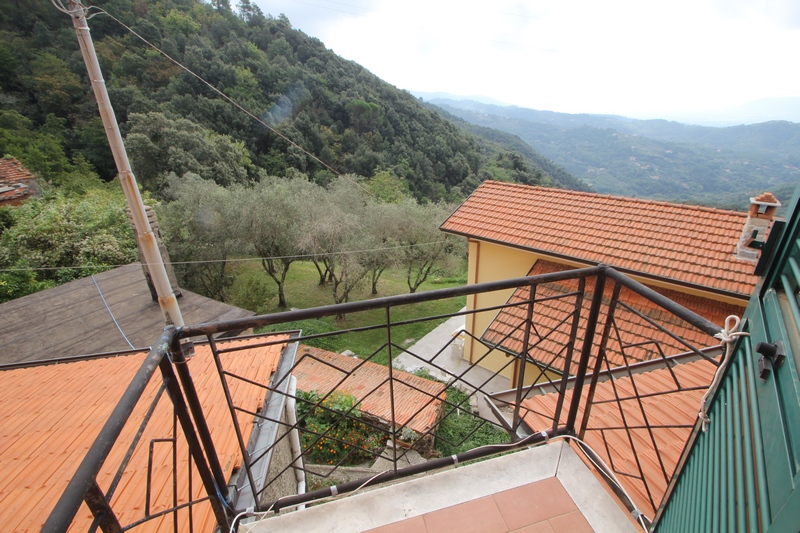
[(698, 256)]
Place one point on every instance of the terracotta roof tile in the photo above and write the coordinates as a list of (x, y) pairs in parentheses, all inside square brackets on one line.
[(552, 324), (417, 400), (670, 409), (50, 415), (629, 234), (16, 183)]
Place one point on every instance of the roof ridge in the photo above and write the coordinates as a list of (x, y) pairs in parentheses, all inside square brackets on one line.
[(614, 197)]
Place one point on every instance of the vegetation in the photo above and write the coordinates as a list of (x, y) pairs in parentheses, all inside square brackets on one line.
[(324, 113), (250, 286), (71, 232), (655, 158), (339, 162), (328, 436), (348, 234), (460, 431)]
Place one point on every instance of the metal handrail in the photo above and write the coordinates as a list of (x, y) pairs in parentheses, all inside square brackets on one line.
[(168, 355)]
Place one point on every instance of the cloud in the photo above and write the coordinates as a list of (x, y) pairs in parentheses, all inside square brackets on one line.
[(619, 56)]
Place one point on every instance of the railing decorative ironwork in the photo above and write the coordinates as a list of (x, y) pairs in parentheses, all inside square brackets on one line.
[(600, 401)]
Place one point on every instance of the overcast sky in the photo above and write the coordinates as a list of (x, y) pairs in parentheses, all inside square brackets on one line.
[(639, 58)]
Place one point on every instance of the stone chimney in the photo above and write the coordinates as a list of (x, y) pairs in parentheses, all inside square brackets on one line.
[(151, 216), (754, 233)]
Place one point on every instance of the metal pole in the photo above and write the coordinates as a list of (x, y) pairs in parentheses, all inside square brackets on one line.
[(144, 233)]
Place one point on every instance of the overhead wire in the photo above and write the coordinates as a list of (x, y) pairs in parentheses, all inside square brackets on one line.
[(112, 314), (235, 260)]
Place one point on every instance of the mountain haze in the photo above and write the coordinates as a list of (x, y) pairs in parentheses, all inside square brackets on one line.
[(654, 158)]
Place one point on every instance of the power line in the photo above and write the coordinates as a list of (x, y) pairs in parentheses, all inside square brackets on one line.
[(237, 260), (112, 314)]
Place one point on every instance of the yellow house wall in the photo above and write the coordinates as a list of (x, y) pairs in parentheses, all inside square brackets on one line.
[(493, 262)]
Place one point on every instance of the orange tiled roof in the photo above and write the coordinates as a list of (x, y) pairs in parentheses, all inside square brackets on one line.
[(417, 400), (16, 183), (50, 415), (552, 326), (689, 244), (670, 414)]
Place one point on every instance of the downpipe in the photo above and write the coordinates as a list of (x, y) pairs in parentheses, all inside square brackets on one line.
[(294, 439)]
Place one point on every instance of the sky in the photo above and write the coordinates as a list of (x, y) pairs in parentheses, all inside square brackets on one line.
[(637, 58)]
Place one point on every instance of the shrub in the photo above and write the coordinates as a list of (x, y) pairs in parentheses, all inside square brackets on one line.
[(455, 432), (348, 441)]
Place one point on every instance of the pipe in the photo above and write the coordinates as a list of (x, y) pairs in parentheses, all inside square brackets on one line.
[(144, 233), (294, 439)]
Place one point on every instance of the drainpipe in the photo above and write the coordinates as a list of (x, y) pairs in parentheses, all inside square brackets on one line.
[(144, 233), (294, 439)]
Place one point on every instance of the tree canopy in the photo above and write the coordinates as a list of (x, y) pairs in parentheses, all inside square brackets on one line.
[(325, 114)]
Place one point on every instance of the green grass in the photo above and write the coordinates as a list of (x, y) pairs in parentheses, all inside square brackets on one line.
[(255, 291), (455, 432)]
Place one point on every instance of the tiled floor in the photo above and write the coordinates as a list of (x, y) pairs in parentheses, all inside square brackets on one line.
[(545, 489), (540, 507)]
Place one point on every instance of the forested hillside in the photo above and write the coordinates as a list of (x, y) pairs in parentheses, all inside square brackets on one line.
[(334, 166), (328, 114), (655, 158)]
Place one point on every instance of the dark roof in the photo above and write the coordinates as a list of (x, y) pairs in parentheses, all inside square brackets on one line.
[(72, 319)]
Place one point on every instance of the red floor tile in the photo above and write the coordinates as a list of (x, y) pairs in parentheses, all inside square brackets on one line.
[(534, 503), (477, 516), (571, 523), (541, 527)]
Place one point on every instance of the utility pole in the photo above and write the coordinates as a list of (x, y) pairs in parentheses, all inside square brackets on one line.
[(144, 232)]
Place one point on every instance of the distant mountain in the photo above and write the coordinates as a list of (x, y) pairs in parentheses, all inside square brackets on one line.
[(429, 97), (757, 111), (655, 159)]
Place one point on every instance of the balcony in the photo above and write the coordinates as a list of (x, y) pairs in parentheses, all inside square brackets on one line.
[(609, 435)]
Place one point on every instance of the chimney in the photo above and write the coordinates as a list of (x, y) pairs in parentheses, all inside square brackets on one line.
[(151, 216), (761, 213)]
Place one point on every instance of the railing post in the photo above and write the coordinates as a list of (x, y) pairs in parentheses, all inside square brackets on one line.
[(523, 360), (187, 384), (391, 386), (601, 353), (195, 450), (573, 334), (586, 350)]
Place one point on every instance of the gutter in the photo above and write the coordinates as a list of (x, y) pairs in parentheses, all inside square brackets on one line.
[(294, 439), (669, 281)]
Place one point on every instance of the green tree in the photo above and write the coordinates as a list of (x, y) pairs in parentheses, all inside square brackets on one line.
[(158, 145), (55, 85), (197, 230), (424, 246), (271, 218), (78, 230)]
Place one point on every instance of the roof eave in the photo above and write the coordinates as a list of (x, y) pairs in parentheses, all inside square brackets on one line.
[(712, 290)]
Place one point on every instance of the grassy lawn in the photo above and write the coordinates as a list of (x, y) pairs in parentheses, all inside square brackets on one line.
[(255, 291)]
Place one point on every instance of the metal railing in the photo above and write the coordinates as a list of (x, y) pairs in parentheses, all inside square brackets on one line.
[(592, 314)]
